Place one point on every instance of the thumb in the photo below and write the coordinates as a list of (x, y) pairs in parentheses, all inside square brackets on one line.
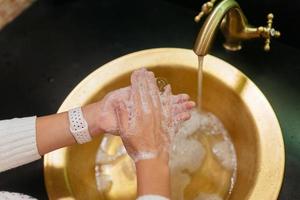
[(122, 116)]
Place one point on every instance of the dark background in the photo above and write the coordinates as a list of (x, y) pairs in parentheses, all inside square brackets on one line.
[(53, 45)]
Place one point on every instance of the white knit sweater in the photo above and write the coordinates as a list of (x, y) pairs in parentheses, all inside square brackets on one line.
[(18, 147), (17, 142)]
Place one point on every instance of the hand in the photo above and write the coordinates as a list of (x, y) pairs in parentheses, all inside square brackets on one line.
[(107, 118), (148, 118), (146, 122)]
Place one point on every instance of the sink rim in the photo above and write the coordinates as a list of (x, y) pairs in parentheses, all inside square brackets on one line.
[(271, 169)]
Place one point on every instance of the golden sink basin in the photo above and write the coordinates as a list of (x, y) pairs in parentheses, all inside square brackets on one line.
[(229, 94)]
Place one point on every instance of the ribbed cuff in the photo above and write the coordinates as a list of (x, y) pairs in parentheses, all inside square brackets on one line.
[(152, 197), (17, 142)]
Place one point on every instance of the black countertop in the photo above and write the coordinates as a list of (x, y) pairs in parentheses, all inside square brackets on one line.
[(53, 45)]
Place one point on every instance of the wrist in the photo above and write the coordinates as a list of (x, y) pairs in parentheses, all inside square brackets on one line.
[(153, 176), (90, 113), (160, 164)]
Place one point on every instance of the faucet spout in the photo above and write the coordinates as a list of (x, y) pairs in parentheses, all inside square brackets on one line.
[(229, 17), (210, 27)]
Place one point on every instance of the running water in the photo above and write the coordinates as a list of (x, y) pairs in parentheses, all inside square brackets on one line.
[(200, 77)]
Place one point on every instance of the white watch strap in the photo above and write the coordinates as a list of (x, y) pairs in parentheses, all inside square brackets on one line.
[(78, 126)]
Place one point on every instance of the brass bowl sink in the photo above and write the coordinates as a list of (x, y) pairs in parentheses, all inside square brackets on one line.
[(228, 93)]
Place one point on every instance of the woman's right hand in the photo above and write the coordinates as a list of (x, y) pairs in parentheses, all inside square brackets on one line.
[(146, 123), (148, 120), (141, 119)]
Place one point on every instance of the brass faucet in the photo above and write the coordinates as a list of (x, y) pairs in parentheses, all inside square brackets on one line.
[(229, 17)]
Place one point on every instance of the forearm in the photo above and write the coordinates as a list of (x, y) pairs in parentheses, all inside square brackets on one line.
[(53, 132), (153, 177)]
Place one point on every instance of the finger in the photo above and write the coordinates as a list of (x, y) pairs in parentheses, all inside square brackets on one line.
[(190, 105), (122, 117), (166, 114), (182, 107), (182, 117), (134, 93), (122, 94), (143, 90), (156, 102), (153, 89), (180, 98), (167, 90), (166, 96), (166, 99), (125, 90)]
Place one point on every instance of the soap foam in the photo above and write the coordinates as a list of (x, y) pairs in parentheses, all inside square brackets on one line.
[(210, 124), (186, 156), (224, 151), (190, 126), (104, 182), (187, 153), (143, 155), (104, 162)]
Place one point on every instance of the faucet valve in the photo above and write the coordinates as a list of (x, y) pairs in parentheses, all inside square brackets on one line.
[(268, 32), (205, 9)]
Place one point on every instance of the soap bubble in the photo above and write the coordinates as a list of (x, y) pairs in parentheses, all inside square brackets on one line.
[(103, 181), (186, 154), (190, 126), (224, 151), (210, 124)]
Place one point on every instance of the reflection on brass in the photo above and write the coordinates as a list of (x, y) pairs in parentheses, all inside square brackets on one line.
[(161, 83), (229, 17), (245, 112)]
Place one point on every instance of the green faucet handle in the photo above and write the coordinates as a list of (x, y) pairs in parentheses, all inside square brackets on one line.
[(205, 9)]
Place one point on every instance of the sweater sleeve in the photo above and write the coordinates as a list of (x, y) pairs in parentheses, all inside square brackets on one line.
[(17, 142), (152, 197)]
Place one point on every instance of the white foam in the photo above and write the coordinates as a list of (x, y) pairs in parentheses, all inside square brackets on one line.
[(210, 124), (104, 182), (186, 154), (129, 170), (103, 163), (190, 126), (224, 151), (102, 157), (143, 155)]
